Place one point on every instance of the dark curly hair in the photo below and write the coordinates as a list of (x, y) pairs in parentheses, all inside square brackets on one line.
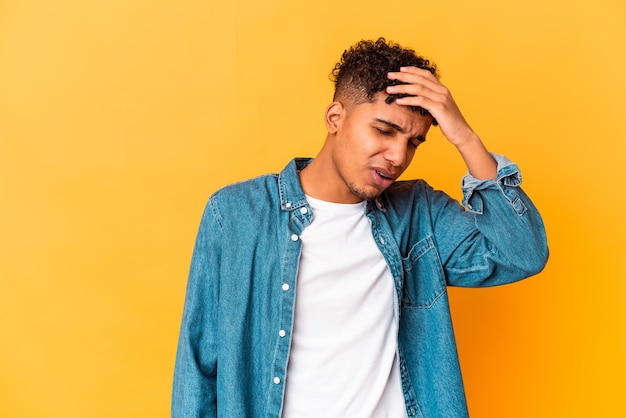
[(362, 70)]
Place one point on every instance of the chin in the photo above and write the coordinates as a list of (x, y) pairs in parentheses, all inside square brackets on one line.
[(365, 193)]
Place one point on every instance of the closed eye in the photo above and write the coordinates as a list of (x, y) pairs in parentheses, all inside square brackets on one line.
[(384, 132), (415, 142)]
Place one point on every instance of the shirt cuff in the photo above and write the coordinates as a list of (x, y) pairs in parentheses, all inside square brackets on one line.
[(508, 176)]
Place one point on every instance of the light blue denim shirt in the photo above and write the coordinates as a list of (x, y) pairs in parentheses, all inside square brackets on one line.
[(238, 317)]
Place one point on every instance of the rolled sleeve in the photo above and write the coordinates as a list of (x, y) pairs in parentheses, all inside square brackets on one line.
[(511, 243), (508, 178)]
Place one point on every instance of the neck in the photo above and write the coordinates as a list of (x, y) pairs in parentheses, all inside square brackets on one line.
[(321, 180)]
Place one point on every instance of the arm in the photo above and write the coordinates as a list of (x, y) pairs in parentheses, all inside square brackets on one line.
[(501, 238), (194, 393)]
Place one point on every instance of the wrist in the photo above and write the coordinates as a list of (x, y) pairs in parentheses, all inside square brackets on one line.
[(467, 140), (479, 162)]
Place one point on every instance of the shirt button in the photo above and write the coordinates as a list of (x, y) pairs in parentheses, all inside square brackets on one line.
[(282, 333), (288, 205), (277, 380), (285, 287), (303, 211), (294, 237), (382, 240)]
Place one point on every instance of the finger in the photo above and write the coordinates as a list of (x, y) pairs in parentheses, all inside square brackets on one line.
[(422, 101), (438, 104), (415, 89), (413, 71), (416, 70), (409, 77), (433, 106), (414, 75)]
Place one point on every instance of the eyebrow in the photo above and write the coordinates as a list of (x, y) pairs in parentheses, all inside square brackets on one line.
[(391, 124), (398, 128)]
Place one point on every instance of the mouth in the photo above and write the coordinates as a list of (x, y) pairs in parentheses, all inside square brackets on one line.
[(383, 175), (382, 178)]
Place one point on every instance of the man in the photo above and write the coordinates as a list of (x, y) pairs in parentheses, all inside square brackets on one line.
[(321, 291)]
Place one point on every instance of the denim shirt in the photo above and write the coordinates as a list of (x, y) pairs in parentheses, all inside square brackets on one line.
[(239, 309)]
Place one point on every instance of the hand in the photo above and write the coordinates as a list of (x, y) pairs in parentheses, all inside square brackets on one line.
[(427, 92)]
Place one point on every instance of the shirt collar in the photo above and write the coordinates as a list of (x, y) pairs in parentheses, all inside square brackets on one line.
[(290, 189), (291, 193)]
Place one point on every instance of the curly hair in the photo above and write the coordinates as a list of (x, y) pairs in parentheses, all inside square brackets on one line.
[(362, 71)]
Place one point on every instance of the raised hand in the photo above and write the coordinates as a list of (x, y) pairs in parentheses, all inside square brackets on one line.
[(426, 91)]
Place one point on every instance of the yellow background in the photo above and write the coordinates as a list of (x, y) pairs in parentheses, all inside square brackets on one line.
[(119, 118)]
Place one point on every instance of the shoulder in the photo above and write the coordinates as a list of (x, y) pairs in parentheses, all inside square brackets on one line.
[(246, 189), (416, 195), (254, 197), (410, 190), (404, 187)]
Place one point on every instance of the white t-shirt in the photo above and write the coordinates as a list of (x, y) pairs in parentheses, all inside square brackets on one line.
[(343, 360)]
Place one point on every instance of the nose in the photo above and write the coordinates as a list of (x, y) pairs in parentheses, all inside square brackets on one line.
[(396, 152)]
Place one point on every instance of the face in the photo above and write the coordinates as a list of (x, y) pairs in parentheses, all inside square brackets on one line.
[(372, 144)]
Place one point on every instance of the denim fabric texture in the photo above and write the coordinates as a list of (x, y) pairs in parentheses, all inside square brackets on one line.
[(237, 323)]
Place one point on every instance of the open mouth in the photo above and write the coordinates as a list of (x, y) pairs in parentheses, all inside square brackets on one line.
[(381, 179)]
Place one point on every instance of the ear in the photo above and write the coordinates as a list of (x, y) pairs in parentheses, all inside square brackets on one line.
[(333, 117)]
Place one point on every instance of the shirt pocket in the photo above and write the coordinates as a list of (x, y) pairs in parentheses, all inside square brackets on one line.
[(424, 280)]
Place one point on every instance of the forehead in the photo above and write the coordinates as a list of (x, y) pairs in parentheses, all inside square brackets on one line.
[(403, 116)]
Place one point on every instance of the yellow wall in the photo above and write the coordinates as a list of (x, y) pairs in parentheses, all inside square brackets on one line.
[(119, 118)]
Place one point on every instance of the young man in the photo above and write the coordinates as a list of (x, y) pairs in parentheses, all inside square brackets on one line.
[(321, 291)]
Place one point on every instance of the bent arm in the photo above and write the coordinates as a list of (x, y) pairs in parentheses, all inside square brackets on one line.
[(500, 238)]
